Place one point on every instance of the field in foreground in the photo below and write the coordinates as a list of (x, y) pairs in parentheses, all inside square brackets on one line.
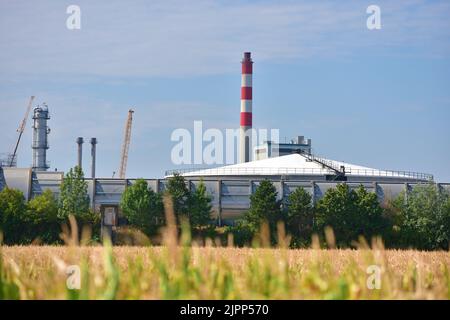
[(176, 272)]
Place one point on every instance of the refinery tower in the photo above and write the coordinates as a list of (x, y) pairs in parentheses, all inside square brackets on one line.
[(40, 138)]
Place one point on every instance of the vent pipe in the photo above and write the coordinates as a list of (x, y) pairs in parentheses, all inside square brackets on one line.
[(80, 152), (93, 144)]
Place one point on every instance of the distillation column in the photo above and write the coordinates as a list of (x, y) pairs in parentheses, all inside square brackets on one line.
[(40, 138)]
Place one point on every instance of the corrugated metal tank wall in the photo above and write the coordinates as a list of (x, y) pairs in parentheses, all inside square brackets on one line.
[(230, 197)]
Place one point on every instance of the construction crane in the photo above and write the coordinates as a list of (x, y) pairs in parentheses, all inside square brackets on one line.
[(126, 145), (21, 129)]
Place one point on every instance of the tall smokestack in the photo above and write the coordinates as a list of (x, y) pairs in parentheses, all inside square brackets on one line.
[(80, 152), (93, 143), (246, 108)]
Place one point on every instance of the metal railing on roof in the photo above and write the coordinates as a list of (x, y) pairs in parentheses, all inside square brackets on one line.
[(340, 170), (299, 171)]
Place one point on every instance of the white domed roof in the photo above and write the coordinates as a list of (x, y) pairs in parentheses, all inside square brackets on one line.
[(298, 164)]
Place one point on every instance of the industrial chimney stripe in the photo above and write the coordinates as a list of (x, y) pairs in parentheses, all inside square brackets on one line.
[(247, 67), (246, 119), (246, 105), (246, 93), (246, 80)]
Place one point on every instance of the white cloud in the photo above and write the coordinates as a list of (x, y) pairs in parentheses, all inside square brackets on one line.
[(184, 38), (122, 40)]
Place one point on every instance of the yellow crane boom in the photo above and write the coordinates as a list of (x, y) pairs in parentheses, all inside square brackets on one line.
[(126, 145), (21, 129)]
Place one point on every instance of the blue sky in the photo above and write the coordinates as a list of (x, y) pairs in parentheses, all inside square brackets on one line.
[(378, 98)]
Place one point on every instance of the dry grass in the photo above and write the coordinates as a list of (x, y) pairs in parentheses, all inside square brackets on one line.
[(180, 270), (185, 272)]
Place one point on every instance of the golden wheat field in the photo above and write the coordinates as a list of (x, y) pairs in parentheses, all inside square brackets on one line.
[(190, 272)]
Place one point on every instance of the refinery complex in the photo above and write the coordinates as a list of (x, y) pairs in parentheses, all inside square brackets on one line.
[(288, 165)]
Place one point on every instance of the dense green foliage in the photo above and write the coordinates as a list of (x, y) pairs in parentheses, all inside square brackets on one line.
[(195, 206), (299, 217), (40, 219), (417, 219), (420, 219), (24, 223), (264, 208), (12, 207), (351, 213), (73, 199), (143, 207), (200, 207), (179, 192)]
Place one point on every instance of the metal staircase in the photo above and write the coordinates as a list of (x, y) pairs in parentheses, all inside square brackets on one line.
[(338, 171)]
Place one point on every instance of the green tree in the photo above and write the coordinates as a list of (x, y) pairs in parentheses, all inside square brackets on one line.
[(200, 207), (264, 206), (350, 213), (299, 216), (41, 218), (337, 209), (371, 219), (242, 233), (177, 189), (73, 199), (12, 208), (142, 207), (425, 218)]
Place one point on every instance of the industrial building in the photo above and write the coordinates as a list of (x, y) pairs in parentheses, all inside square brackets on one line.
[(270, 149), (287, 165), (230, 187)]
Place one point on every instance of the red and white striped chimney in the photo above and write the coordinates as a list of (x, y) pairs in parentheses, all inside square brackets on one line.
[(246, 108)]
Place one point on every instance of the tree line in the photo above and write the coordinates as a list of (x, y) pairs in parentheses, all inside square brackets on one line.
[(417, 219), (40, 219), (144, 209)]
